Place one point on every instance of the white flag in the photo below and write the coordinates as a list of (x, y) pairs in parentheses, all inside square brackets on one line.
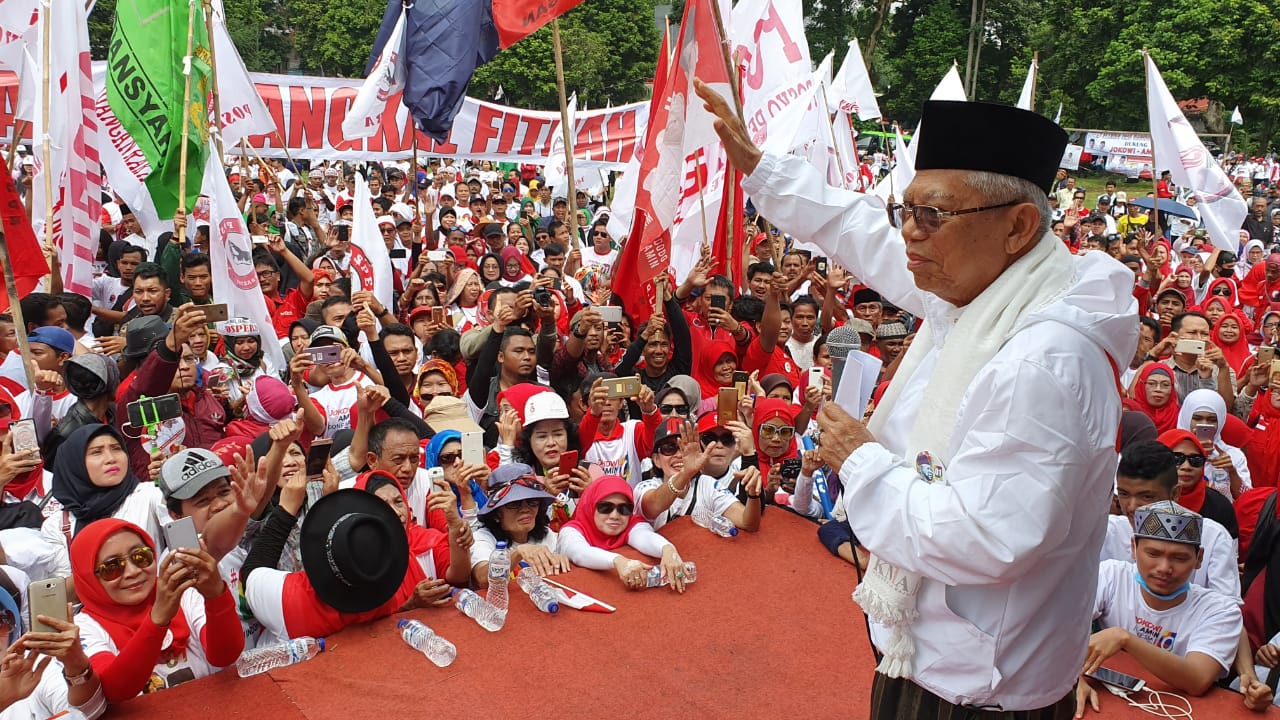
[(802, 121), (951, 87), (556, 170), (499, 95), (851, 89), (17, 26), (243, 112), (903, 172), (1236, 117), (1057, 119), (846, 152), (1178, 149), (231, 253), (769, 38), (1028, 87), (370, 260), (126, 167), (385, 79)]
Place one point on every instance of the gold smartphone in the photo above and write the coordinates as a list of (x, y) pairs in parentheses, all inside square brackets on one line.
[(726, 405)]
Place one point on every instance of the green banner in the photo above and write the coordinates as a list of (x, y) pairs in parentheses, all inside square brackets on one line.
[(145, 86)]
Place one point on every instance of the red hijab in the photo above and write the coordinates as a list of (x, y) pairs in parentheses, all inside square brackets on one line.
[(767, 409), (584, 515), (1236, 353), (1264, 451), (1166, 417), (1193, 498), (23, 484), (420, 539), (1232, 300), (706, 359), (120, 621)]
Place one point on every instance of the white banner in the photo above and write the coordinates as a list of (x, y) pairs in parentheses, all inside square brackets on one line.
[(768, 36), (851, 90), (243, 113)]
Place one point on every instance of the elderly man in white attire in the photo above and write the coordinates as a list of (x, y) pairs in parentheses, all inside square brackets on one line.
[(981, 483)]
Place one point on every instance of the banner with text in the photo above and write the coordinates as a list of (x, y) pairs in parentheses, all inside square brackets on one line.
[(308, 114), (1123, 153)]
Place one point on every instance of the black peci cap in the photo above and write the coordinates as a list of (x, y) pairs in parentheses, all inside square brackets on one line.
[(992, 138)]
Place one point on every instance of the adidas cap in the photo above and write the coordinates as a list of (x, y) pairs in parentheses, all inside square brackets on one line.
[(187, 472)]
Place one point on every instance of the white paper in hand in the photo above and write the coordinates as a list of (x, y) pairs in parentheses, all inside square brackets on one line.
[(861, 371)]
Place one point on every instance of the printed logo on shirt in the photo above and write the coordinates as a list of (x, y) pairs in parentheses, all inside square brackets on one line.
[(1155, 634)]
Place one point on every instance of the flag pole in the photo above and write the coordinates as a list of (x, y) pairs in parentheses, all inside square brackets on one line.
[(213, 72), (831, 128), (1155, 173), (566, 134), (19, 129), (15, 309), (46, 105), (702, 197), (731, 227), (1035, 78), (180, 229)]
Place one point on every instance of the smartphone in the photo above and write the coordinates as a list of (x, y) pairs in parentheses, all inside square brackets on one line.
[(181, 533), (1194, 347), (437, 315), (568, 461), (398, 253), (726, 405), (623, 387), (46, 597), (821, 266), (260, 240), (816, 376), (214, 313), (473, 448), (317, 458), (1266, 354), (610, 313), (325, 354), (24, 436), (720, 301), (153, 411), (1205, 432), (1119, 680), (740, 380), (436, 255), (435, 475)]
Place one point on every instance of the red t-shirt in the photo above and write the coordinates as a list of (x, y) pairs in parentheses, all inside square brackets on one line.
[(284, 312), (779, 361)]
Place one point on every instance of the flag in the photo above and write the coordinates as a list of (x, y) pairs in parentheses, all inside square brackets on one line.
[(145, 85), (802, 120), (28, 261), (903, 171), (370, 261), (500, 94), (1178, 149), (851, 90), (231, 254), (555, 173), (624, 191), (123, 162), (846, 151), (517, 19), (386, 78), (17, 21), (680, 146), (1236, 117), (243, 112), (1028, 87), (768, 38), (1057, 119)]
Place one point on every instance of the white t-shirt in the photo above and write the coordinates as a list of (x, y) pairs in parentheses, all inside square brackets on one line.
[(1206, 622), (1219, 571), (486, 543), (591, 258), (166, 674), (144, 507), (338, 403), (704, 494), (618, 456), (106, 290)]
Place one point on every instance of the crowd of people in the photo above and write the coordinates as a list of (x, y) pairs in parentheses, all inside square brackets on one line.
[(503, 396)]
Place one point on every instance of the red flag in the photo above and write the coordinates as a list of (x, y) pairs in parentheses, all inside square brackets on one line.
[(679, 127), (25, 254), (729, 258), (517, 19)]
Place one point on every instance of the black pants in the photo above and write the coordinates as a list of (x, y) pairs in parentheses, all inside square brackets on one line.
[(901, 699)]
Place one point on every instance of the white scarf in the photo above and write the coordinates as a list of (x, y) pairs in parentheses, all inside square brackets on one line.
[(888, 593)]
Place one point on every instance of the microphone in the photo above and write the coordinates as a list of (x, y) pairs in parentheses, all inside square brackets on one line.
[(840, 342)]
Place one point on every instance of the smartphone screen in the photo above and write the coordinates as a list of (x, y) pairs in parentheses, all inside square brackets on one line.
[(317, 457), (1117, 679), (727, 405)]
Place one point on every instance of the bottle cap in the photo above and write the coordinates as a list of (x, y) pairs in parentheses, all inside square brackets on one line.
[(553, 608), (524, 564), (733, 532), (401, 623), (320, 642), (502, 544)]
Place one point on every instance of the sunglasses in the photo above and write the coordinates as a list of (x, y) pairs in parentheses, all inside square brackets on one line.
[(1194, 460), (529, 481), (1223, 292), (449, 458), (724, 438), (600, 234), (928, 218), (786, 432), (113, 568), (607, 508), (673, 409), (667, 449)]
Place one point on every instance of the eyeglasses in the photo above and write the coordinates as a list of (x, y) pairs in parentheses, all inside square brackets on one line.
[(1158, 385), (667, 449), (725, 438), (1194, 460), (929, 219), (265, 274), (447, 459), (113, 568), (786, 432), (529, 481), (1222, 291), (673, 409), (607, 508), (600, 234)]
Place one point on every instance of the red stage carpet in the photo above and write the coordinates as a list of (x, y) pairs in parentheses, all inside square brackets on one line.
[(767, 631)]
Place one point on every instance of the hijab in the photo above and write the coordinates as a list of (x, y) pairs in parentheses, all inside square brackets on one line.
[(1231, 301), (1203, 399), (706, 359), (434, 365), (497, 260), (431, 458), (459, 282), (71, 484), (1264, 452), (120, 621), (511, 252), (421, 540), (1242, 264), (767, 409), (1237, 353), (1165, 417), (584, 515), (1191, 498)]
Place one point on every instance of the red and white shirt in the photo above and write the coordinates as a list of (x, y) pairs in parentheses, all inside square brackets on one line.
[(338, 403)]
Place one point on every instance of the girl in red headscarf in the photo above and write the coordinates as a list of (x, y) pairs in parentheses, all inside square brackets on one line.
[(606, 519), (1153, 394), (713, 367), (1264, 452), (1194, 492), (149, 625), (1229, 337), (775, 435)]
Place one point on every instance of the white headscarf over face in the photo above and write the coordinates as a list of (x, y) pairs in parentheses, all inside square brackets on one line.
[(1203, 401)]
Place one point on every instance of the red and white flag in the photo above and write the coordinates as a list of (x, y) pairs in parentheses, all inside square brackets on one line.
[(231, 253), (851, 89), (243, 112), (370, 260), (386, 78), (28, 262), (1178, 149), (768, 38)]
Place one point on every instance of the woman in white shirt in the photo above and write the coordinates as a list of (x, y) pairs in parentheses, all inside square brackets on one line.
[(517, 513), (604, 521), (1226, 469)]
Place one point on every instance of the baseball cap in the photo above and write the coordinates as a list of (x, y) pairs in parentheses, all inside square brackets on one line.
[(670, 428), (544, 406), (493, 229), (260, 198), (187, 472), (327, 332), (54, 337)]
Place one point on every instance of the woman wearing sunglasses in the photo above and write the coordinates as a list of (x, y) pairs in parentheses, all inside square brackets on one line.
[(682, 459), (92, 480), (146, 624), (516, 513), (1193, 492), (775, 442), (604, 521)]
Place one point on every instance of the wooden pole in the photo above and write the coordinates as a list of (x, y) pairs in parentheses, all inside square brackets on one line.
[(213, 72), (735, 221), (566, 135), (1035, 77), (46, 107), (180, 229), (1155, 171), (15, 309), (702, 201)]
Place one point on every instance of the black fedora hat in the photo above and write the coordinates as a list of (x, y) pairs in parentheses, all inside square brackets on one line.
[(354, 549)]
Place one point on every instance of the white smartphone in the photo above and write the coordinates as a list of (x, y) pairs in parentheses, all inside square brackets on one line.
[(436, 255), (260, 240), (473, 448), (816, 376), (46, 597), (1193, 347), (181, 534), (1119, 680), (610, 313)]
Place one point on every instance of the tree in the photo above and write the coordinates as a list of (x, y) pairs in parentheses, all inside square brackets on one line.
[(829, 25), (334, 38)]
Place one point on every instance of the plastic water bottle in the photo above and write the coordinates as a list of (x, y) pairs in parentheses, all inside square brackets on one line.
[(717, 524), (654, 576), (539, 592), (270, 657), (420, 637), (475, 607), (499, 576)]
